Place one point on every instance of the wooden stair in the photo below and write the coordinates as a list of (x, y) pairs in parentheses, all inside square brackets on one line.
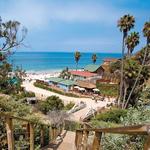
[(66, 144), (71, 140)]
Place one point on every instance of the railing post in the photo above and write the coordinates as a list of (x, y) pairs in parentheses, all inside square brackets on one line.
[(10, 136), (31, 137), (42, 136), (78, 139), (50, 135), (27, 131), (85, 139), (97, 139), (147, 143), (55, 133)]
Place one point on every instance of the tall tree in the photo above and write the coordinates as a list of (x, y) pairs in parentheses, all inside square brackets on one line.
[(146, 33), (125, 24), (11, 35), (94, 58), (131, 42), (77, 56)]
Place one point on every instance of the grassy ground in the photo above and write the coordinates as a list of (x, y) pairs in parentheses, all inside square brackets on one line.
[(108, 89)]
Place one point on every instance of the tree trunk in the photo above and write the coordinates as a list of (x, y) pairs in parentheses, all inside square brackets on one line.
[(76, 66), (140, 70), (122, 65), (124, 97)]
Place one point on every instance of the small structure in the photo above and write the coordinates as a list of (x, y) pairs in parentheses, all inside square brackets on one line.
[(31, 100), (82, 75), (94, 69), (86, 85), (61, 83), (66, 85)]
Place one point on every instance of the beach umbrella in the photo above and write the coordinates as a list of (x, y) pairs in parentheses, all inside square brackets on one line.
[(76, 87), (82, 89), (96, 90)]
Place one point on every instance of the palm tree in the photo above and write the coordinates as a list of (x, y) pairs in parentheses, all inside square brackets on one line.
[(131, 42), (125, 24), (94, 58), (146, 33), (77, 56)]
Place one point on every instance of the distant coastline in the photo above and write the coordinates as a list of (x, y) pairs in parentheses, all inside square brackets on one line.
[(54, 61)]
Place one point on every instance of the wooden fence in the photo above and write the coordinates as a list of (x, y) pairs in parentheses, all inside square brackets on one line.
[(81, 138), (8, 119)]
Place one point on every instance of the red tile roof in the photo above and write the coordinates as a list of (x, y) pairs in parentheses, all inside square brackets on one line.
[(83, 73)]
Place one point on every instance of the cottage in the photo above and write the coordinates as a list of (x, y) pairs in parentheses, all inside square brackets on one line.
[(61, 83), (82, 75), (94, 69), (66, 85)]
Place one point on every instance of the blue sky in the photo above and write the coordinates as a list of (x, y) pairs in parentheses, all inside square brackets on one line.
[(69, 25)]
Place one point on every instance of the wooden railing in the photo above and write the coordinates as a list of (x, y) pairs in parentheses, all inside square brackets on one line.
[(81, 138), (30, 125)]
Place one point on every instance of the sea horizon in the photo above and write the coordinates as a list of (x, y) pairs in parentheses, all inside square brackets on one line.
[(43, 61)]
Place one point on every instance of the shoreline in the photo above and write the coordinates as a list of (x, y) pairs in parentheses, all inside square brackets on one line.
[(35, 75)]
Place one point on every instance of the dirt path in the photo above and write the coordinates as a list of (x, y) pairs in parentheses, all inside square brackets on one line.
[(42, 93)]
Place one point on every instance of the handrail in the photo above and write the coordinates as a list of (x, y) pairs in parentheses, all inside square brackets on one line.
[(136, 129), (7, 114), (53, 133), (82, 135)]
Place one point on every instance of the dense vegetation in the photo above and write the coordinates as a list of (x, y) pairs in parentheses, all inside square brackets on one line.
[(51, 103)]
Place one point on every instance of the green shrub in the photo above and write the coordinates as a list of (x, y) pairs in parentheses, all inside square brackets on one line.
[(51, 103), (71, 125), (112, 115), (102, 124), (69, 105), (14, 106)]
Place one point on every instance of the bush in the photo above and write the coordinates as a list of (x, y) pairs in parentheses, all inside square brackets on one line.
[(112, 115), (51, 103), (69, 105), (71, 125), (14, 106), (23, 95)]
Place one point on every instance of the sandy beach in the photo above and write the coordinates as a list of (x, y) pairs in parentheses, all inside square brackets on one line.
[(41, 75)]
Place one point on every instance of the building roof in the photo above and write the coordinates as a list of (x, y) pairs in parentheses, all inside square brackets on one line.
[(67, 82), (106, 67), (83, 73), (91, 67), (85, 84), (110, 59), (55, 79), (61, 81)]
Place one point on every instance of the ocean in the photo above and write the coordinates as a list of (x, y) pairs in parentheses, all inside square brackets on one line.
[(46, 61)]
